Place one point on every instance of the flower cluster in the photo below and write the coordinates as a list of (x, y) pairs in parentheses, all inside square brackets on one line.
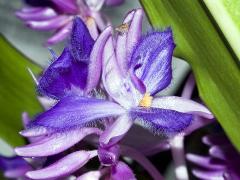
[(58, 15), (133, 68)]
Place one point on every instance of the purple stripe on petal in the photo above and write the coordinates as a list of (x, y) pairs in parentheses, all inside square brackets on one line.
[(50, 24), (76, 111), (55, 143), (206, 162), (182, 105), (63, 76), (162, 121), (122, 172), (152, 60), (95, 64), (64, 166), (209, 175), (119, 88), (60, 35), (41, 14), (81, 42), (116, 131)]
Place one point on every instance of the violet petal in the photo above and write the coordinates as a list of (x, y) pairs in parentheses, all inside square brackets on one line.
[(81, 42), (95, 63), (41, 14), (64, 166), (206, 162), (122, 172), (182, 105), (116, 131), (66, 6), (209, 175), (62, 76), (60, 35), (50, 24), (91, 175), (162, 121), (108, 156), (152, 60), (75, 112), (54, 143)]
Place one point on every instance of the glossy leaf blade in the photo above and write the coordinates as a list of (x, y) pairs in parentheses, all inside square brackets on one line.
[(17, 92), (215, 69)]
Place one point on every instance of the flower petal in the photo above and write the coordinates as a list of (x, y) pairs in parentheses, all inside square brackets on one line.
[(95, 5), (64, 166), (151, 60), (14, 167), (108, 156), (91, 175), (41, 14), (76, 111), (182, 105), (63, 76), (60, 35), (66, 6), (128, 40), (122, 172), (116, 131), (209, 175), (50, 24), (95, 62), (119, 88), (54, 143), (206, 162), (81, 42), (162, 121)]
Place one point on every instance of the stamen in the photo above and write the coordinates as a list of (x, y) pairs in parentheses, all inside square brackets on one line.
[(123, 28), (146, 100)]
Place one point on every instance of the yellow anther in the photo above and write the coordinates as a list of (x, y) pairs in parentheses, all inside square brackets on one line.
[(123, 28), (146, 100)]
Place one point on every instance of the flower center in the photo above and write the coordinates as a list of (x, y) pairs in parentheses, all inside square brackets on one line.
[(146, 101)]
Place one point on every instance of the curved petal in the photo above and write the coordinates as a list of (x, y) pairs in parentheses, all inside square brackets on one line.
[(50, 24), (182, 105), (64, 166), (38, 15), (63, 76), (126, 41), (122, 171), (151, 60), (66, 6), (162, 121), (206, 162), (119, 88), (60, 35), (224, 152), (81, 42), (116, 131), (14, 167), (54, 143), (91, 175), (215, 139), (108, 156), (95, 62), (209, 175), (75, 111)]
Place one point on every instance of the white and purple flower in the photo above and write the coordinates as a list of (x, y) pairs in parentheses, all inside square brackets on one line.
[(133, 68)]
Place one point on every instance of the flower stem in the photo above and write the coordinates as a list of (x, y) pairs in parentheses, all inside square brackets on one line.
[(142, 160)]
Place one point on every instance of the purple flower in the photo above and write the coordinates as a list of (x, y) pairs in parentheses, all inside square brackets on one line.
[(222, 162), (133, 69), (57, 15)]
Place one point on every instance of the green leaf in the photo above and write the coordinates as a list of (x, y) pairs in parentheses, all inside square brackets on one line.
[(227, 15), (216, 71), (17, 92)]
